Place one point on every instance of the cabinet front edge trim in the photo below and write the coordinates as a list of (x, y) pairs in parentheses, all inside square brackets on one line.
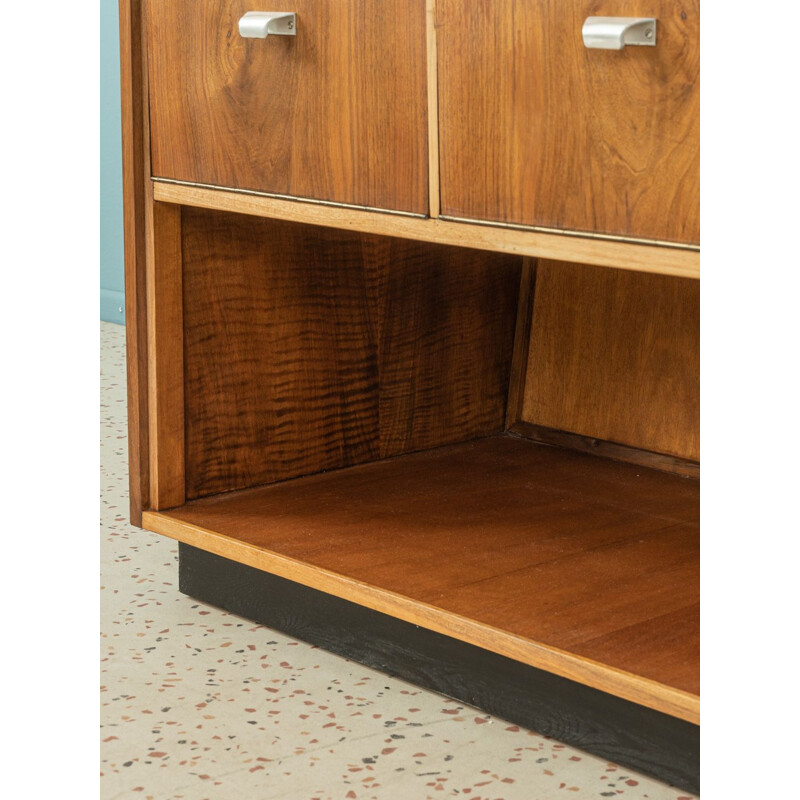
[(290, 197), (581, 250), (604, 237)]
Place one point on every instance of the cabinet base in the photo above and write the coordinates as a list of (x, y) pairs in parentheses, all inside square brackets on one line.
[(628, 734)]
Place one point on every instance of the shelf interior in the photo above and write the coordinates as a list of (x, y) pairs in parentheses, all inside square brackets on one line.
[(578, 564)]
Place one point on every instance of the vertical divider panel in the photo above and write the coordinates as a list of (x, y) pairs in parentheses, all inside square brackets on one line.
[(165, 355)]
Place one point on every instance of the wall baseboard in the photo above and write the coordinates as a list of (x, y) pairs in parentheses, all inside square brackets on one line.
[(112, 306)]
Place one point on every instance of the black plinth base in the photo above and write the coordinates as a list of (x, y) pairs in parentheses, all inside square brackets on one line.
[(618, 730)]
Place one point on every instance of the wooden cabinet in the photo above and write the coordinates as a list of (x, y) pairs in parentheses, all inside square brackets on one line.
[(335, 113), (536, 129), (458, 441)]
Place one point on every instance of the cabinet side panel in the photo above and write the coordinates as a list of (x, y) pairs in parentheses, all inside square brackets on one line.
[(280, 364), (309, 349), (134, 166), (615, 355)]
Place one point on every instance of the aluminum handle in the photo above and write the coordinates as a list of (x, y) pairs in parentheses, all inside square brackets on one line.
[(613, 33), (260, 24)]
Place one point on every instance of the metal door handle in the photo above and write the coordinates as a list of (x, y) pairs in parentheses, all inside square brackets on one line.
[(260, 24), (613, 33)]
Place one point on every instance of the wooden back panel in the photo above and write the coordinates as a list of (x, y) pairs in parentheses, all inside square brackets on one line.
[(337, 112), (615, 355), (309, 349)]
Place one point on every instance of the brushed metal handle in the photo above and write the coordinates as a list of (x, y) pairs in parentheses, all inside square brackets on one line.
[(614, 33), (260, 24)]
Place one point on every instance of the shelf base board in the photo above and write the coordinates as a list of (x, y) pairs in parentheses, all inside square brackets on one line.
[(626, 733), (480, 541)]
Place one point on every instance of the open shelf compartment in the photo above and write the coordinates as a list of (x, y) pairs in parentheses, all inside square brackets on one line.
[(579, 565)]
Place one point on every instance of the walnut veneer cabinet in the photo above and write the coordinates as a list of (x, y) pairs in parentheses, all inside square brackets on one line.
[(413, 341)]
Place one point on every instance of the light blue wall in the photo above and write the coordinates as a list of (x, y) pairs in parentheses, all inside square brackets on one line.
[(112, 279)]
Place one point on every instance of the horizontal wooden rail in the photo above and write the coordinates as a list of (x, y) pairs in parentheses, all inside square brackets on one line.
[(664, 260)]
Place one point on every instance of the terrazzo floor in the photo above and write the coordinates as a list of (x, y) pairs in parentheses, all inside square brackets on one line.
[(198, 704)]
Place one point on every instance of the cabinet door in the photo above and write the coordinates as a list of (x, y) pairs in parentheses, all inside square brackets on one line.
[(536, 129), (335, 113)]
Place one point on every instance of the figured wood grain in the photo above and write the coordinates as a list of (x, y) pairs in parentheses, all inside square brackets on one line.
[(135, 183), (616, 356), (165, 354), (444, 324), (532, 552), (337, 112), (594, 721), (309, 349), (538, 129), (621, 255)]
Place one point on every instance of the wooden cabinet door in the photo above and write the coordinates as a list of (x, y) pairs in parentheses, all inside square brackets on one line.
[(538, 130), (335, 113)]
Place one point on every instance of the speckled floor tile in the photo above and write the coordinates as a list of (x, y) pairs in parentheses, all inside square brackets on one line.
[(198, 704)]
